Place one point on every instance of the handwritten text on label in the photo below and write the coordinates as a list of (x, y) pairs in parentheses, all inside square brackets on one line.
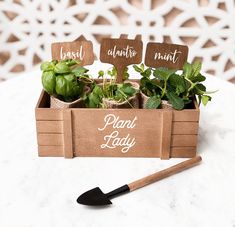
[(127, 52), (113, 140), (79, 54), (172, 56)]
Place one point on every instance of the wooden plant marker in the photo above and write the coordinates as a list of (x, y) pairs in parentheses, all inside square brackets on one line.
[(171, 56), (121, 53), (80, 49)]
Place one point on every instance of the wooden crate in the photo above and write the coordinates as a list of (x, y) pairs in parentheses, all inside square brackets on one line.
[(78, 132)]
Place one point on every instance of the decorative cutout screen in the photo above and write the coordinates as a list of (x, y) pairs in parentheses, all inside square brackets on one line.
[(27, 28)]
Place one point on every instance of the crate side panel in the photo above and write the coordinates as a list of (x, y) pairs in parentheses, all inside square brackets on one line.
[(183, 152), (185, 128), (50, 139), (48, 114), (50, 151), (186, 115), (49, 126), (184, 141)]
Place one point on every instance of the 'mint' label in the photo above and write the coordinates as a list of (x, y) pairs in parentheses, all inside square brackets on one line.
[(171, 56)]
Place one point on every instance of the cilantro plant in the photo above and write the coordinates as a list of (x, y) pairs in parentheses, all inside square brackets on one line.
[(109, 89), (179, 89), (64, 79)]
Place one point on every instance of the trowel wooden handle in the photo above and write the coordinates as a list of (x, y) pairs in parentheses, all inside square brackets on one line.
[(164, 173)]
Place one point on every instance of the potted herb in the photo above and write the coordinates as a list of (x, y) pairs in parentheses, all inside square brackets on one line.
[(110, 94), (164, 88), (66, 82)]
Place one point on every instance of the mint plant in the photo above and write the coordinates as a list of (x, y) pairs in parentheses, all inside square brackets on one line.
[(179, 89), (64, 79)]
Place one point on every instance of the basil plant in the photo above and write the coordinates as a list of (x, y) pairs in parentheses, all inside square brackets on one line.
[(64, 79)]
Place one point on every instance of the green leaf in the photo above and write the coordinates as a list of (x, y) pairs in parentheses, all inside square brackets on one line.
[(205, 99), (71, 62), (199, 89), (95, 97), (137, 69), (126, 74), (147, 72), (153, 102), (100, 74), (196, 68), (198, 78), (163, 73), (187, 70), (49, 82), (68, 86), (98, 91), (127, 89), (47, 66), (178, 82), (142, 66), (94, 100), (79, 71), (176, 101), (62, 68)]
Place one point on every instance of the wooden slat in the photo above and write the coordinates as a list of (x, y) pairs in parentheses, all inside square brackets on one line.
[(186, 115), (185, 128), (184, 141), (43, 100), (50, 151), (50, 139), (48, 114), (49, 126), (68, 142), (183, 152), (166, 134)]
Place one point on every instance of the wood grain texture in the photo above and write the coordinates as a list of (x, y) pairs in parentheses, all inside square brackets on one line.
[(68, 136), (184, 140), (48, 114), (131, 50), (50, 139), (183, 152), (164, 173), (82, 49), (49, 126), (185, 128), (186, 115), (88, 141), (171, 56), (50, 151), (166, 134), (147, 132)]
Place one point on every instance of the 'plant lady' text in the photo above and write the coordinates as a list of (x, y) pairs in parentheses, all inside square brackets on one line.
[(113, 140)]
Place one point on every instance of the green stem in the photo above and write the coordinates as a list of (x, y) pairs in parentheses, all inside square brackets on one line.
[(164, 89)]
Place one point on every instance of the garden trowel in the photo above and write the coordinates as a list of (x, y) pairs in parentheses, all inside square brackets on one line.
[(95, 197)]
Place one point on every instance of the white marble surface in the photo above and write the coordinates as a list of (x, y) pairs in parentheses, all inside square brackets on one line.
[(42, 191)]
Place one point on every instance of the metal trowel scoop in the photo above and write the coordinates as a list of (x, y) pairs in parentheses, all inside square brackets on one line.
[(95, 197)]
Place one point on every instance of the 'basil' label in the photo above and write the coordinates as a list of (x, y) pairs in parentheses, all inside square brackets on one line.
[(171, 56), (79, 50)]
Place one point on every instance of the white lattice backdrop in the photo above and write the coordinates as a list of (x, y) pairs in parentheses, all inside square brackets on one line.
[(27, 27)]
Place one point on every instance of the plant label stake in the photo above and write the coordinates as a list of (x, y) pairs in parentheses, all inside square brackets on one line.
[(171, 56), (121, 53), (80, 49), (95, 197)]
